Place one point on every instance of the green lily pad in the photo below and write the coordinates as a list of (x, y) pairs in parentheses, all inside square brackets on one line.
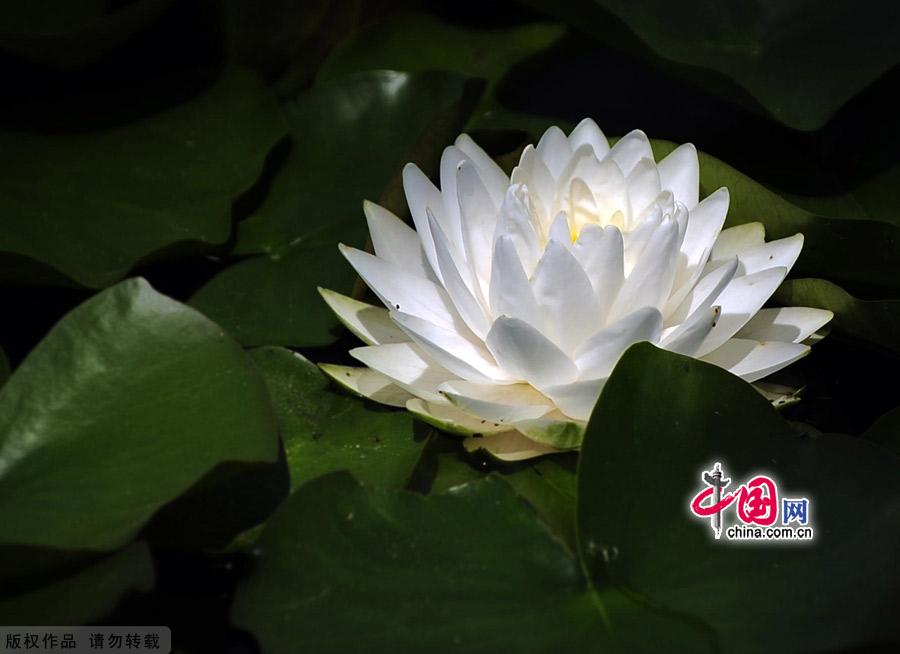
[(351, 137), (70, 33), (342, 568), (797, 59), (550, 485), (325, 430), (414, 41), (93, 205), (875, 321), (84, 595), (124, 405), (641, 464)]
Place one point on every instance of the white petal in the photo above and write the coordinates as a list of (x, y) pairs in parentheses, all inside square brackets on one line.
[(680, 173), (404, 292), (407, 366), (587, 132), (452, 419), (508, 446), (451, 158), (519, 222), (367, 383), (498, 404), (687, 337), (600, 251), (479, 221), (607, 182), (636, 239), (422, 196), (526, 354), (559, 230), (704, 225), (370, 324), (630, 149), (469, 308), (554, 150), (449, 348), (704, 293), (780, 253), (510, 291), (789, 324), (493, 177), (565, 296), (576, 400), (740, 301), (733, 241), (597, 356), (752, 360), (643, 185), (650, 282), (533, 173), (395, 241)]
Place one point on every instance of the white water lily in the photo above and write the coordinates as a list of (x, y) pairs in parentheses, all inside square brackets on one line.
[(512, 300)]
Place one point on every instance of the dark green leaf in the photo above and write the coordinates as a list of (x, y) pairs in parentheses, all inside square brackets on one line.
[(549, 485), (325, 430), (418, 42), (125, 404), (93, 205), (70, 33), (350, 139), (471, 570), (85, 595), (876, 321), (641, 464), (798, 59)]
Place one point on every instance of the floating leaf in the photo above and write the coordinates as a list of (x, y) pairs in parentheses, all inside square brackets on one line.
[(641, 463), (84, 595), (798, 59), (342, 568), (325, 430), (69, 33), (93, 205), (418, 42), (350, 138), (126, 403)]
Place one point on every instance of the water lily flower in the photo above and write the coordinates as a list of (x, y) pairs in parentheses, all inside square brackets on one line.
[(509, 304)]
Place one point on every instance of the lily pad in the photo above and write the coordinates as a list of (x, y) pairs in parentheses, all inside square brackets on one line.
[(125, 404), (797, 59), (70, 33), (325, 430), (342, 568), (84, 595), (414, 41), (641, 464), (351, 137), (92, 205)]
